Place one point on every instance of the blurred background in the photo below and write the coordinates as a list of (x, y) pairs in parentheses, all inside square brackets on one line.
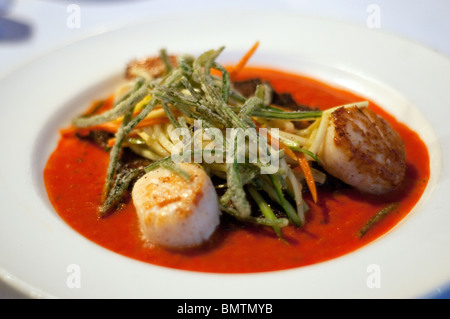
[(31, 28)]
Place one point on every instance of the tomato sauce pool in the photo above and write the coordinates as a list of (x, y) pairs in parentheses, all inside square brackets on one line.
[(75, 173)]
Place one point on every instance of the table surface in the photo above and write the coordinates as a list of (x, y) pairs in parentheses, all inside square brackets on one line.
[(29, 28)]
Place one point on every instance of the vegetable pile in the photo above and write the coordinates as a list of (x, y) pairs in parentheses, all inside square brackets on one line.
[(195, 90)]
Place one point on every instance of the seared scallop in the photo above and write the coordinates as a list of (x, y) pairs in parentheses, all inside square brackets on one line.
[(175, 212), (363, 150)]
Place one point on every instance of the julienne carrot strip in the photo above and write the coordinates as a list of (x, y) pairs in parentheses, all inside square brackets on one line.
[(280, 108), (306, 169), (153, 121), (100, 106), (243, 61), (302, 162), (278, 144), (95, 108), (111, 142), (110, 127), (71, 131), (143, 123)]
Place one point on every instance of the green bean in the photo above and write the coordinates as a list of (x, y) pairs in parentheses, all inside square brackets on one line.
[(170, 115), (252, 103), (291, 212), (264, 208), (378, 216), (124, 129), (157, 164), (114, 197), (170, 165), (278, 222), (225, 81), (305, 151), (238, 197), (297, 115), (115, 152), (165, 58)]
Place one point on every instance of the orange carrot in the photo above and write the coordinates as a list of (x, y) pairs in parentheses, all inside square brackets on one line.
[(114, 126), (278, 144), (111, 142), (100, 106), (70, 131), (153, 121), (244, 60), (306, 169), (300, 158), (110, 127)]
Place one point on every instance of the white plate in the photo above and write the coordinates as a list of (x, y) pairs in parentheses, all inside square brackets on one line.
[(38, 249)]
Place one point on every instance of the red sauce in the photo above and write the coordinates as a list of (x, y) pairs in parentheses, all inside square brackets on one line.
[(74, 178)]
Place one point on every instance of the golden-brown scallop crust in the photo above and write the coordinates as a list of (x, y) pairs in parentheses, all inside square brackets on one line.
[(363, 150)]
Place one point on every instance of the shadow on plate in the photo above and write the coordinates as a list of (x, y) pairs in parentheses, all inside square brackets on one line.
[(439, 293), (14, 31)]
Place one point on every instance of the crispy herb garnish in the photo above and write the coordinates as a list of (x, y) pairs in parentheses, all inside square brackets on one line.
[(189, 91)]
